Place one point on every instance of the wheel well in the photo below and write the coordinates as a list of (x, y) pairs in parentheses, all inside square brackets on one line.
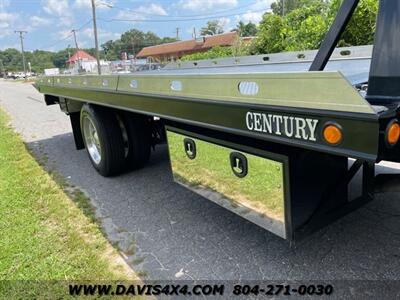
[(156, 125)]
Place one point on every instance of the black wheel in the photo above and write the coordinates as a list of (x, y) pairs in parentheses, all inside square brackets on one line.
[(103, 139), (138, 132)]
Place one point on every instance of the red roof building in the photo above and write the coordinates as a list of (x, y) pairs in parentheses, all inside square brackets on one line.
[(80, 55), (178, 49)]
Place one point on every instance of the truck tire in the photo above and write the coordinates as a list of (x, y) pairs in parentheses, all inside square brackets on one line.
[(139, 140), (103, 139)]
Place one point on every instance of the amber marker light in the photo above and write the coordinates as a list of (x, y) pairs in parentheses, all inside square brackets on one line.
[(393, 133), (333, 134)]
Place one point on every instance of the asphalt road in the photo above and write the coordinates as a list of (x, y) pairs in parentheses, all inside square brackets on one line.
[(169, 232)]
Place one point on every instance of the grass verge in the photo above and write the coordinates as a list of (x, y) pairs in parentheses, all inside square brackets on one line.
[(44, 236)]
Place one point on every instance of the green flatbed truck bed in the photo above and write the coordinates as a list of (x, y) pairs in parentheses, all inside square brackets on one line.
[(273, 138)]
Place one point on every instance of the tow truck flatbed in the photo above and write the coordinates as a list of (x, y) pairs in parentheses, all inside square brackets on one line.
[(269, 137)]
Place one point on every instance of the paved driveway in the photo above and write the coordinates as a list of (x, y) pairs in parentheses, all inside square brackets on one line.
[(168, 232)]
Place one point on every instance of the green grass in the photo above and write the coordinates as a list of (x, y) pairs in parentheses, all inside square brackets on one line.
[(261, 189), (45, 234)]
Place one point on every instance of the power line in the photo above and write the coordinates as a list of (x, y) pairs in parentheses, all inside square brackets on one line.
[(65, 38), (184, 16), (178, 20), (56, 43), (84, 25), (156, 21)]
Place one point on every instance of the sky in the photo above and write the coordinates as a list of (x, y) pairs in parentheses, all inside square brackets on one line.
[(49, 22)]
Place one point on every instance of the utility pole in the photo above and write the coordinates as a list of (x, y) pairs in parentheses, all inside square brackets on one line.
[(133, 47), (177, 33), (76, 43), (2, 69), (194, 33), (77, 49), (96, 42), (283, 8), (21, 33)]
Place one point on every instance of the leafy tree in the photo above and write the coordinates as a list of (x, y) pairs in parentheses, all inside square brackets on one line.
[(309, 35), (271, 34), (111, 49), (282, 7), (215, 52), (60, 57), (238, 49), (305, 25), (165, 40), (302, 28), (12, 59), (131, 42), (90, 51), (131, 39), (361, 28), (40, 60), (212, 28), (244, 30)]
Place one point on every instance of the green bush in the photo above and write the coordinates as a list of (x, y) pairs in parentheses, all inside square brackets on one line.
[(239, 49), (305, 26)]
